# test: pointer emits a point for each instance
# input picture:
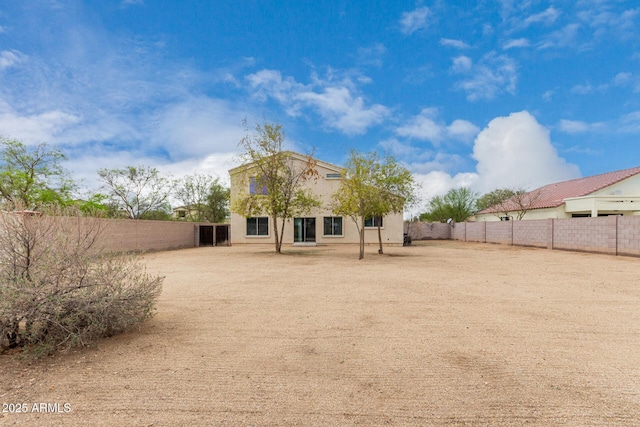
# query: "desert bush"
(60, 288)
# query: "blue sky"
(484, 94)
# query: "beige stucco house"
(319, 227)
(613, 193)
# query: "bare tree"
(524, 201)
(503, 201)
(59, 289)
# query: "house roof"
(553, 195)
(294, 155)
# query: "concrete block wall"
(531, 233)
(459, 231)
(428, 230)
(586, 234)
(136, 235)
(615, 235)
(500, 232)
(476, 232)
(628, 235)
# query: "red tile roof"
(553, 195)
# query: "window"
(333, 176)
(332, 226)
(373, 221)
(258, 226)
(254, 187)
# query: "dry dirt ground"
(440, 333)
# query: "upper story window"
(254, 187)
(334, 176)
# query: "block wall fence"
(145, 235)
(126, 235)
(614, 235)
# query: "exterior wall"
(545, 213)
(392, 231)
(136, 235)
(531, 233)
(615, 235)
(628, 235)
(499, 232)
(459, 231)
(476, 232)
(626, 187)
(586, 234)
(428, 230)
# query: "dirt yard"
(441, 333)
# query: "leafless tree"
(59, 288)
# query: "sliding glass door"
(304, 230)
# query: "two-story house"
(320, 226)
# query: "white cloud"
(403, 150)
(547, 17)
(427, 126)
(630, 123)
(458, 44)
(415, 20)
(516, 43)
(337, 102)
(197, 127)
(511, 151)
(462, 64)
(492, 75)
(577, 126)
(10, 58)
(438, 183)
(423, 126)
(517, 151)
(34, 128)
(565, 37)
(462, 130)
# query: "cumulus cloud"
(510, 151)
(427, 126)
(517, 150)
(437, 182)
(414, 20)
(337, 102)
(492, 75)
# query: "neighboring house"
(320, 226)
(180, 213)
(613, 193)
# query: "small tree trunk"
(380, 239)
(275, 234)
(361, 238)
(281, 235)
